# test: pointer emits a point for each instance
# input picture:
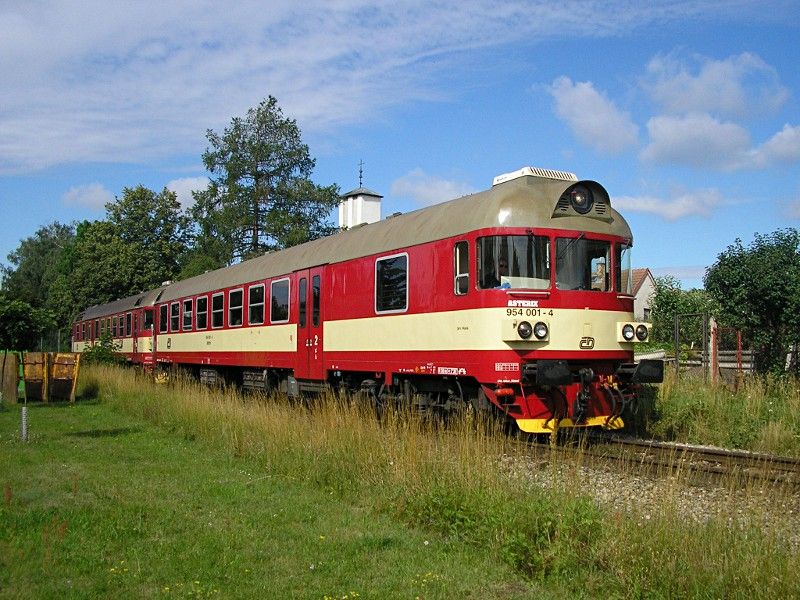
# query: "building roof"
(639, 275)
(362, 191)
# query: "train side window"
(461, 268)
(187, 314)
(128, 324)
(279, 303)
(83, 331)
(391, 284)
(217, 310)
(148, 320)
(235, 299)
(302, 294)
(97, 328)
(114, 330)
(162, 318)
(202, 312)
(175, 316)
(255, 302)
(315, 291)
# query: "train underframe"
(550, 395)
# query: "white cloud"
(141, 80)
(681, 272)
(696, 140)
(783, 147)
(593, 118)
(93, 196)
(700, 140)
(699, 203)
(184, 187)
(738, 86)
(428, 189)
(793, 210)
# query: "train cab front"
(566, 378)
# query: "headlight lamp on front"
(524, 330)
(540, 330)
(581, 200)
(641, 332)
(628, 332)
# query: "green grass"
(105, 505)
(763, 414)
(185, 484)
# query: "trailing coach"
(516, 298)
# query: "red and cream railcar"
(517, 297)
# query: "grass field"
(762, 415)
(100, 504)
(180, 491)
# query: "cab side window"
(461, 268)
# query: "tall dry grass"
(763, 414)
(454, 481)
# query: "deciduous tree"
(21, 325)
(758, 290)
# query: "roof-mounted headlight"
(581, 200)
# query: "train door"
(135, 338)
(309, 324)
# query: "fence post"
(713, 363)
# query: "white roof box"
(535, 172)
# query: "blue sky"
(687, 112)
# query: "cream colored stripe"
(475, 329)
(269, 338)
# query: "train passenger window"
(202, 312)
(83, 331)
(461, 268)
(391, 284)
(235, 299)
(622, 269)
(148, 320)
(162, 318)
(97, 328)
(315, 290)
(583, 264)
(175, 316)
(217, 310)
(255, 301)
(302, 294)
(514, 261)
(114, 330)
(279, 304)
(187, 314)
(128, 324)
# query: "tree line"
(260, 197)
(754, 289)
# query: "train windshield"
(624, 272)
(514, 261)
(583, 264)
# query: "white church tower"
(359, 206)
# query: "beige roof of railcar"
(522, 201)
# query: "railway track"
(699, 464)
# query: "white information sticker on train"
(505, 367)
(524, 303)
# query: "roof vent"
(535, 172)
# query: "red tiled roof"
(639, 275)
